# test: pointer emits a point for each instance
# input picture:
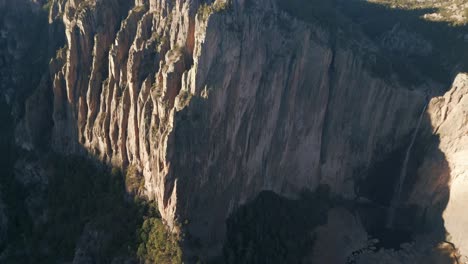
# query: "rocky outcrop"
(214, 105)
(116, 86)
(439, 190)
(214, 102)
(448, 116)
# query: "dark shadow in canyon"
(413, 60)
(274, 229)
(54, 204)
(58, 207)
(418, 49)
(269, 229)
(446, 57)
(415, 215)
(248, 239)
(64, 208)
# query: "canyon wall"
(442, 177)
(212, 103)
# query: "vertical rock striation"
(213, 103)
(116, 83)
(212, 108)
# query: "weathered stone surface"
(213, 108)
(449, 118)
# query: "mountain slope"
(210, 103)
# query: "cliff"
(212, 103)
(448, 116)
(213, 108)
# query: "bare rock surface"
(213, 108)
(449, 118)
(212, 103)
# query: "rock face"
(22, 60)
(448, 116)
(115, 85)
(212, 103)
(439, 189)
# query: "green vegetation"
(61, 53)
(83, 6)
(176, 51)
(184, 97)
(273, 229)
(157, 87)
(80, 194)
(219, 6)
(134, 182)
(12, 192)
(84, 200)
(156, 244)
(160, 40)
(206, 10)
(140, 8)
(22, 71)
(46, 7)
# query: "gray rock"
(211, 109)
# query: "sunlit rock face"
(116, 82)
(449, 118)
(432, 206)
(212, 106)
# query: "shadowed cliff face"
(23, 56)
(211, 103)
